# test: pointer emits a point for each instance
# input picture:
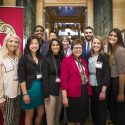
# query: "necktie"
(88, 48)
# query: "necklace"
(11, 57)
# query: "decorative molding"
(6, 28)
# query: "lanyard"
(39, 68)
(55, 64)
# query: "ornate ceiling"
(66, 14)
(66, 17)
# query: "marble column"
(29, 17)
(102, 17)
(39, 12)
(9, 2)
(90, 13)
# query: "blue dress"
(36, 95)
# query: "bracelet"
(25, 94)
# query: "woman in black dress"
(51, 82)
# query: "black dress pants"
(98, 108)
(117, 109)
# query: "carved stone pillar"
(102, 17)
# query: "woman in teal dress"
(30, 77)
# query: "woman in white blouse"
(9, 87)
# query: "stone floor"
(89, 122)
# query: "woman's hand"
(102, 95)
(2, 106)
(120, 97)
(26, 99)
(65, 102)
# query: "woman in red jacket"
(74, 85)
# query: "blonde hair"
(4, 50)
(101, 51)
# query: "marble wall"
(29, 15)
(102, 17)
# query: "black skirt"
(78, 109)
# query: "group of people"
(58, 74)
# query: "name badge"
(57, 80)
(39, 76)
(99, 65)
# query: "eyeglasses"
(77, 48)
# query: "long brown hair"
(112, 50)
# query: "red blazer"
(70, 77)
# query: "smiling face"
(12, 44)
(113, 39)
(96, 45)
(77, 50)
(65, 43)
(39, 32)
(52, 35)
(34, 46)
(88, 34)
(55, 47)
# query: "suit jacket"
(103, 74)
(70, 77)
(49, 77)
(85, 54)
(44, 48)
(27, 70)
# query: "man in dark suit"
(88, 33)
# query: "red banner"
(11, 21)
